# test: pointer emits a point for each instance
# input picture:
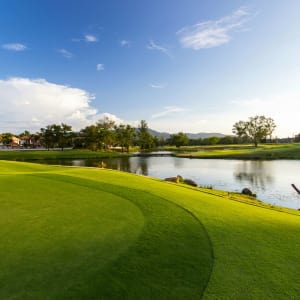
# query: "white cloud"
(111, 117)
(125, 43)
(34, 103)
(100, 67)
(89, 38)
(168, 110)
(14, 47)
(156, 47)
(65, 53)
(157, 86)
(215, 33)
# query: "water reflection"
(144, 166)
(257, 173)
(178, 163)
(270, 180)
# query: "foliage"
(125, 136)
(145, 139)
(214, 140)
(256, 128)
(57, 135)
(179, 139)
(99, 136)
(6, 138)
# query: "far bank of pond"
(270, 179)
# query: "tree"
(59, 135)
(226, 140)
(256, 128)
(179, 139)
(64, 135)
(297, 138)
(125, 135)
(48, 136)
(90, 137)
(6, 138)
(212, 140)
(145, 139)
(99, 136)
(106, 132)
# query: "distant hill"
(201, 135)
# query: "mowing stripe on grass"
(172, 257)
(55, 236)
(59, 229)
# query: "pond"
(270, 180)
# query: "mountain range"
(195, 136)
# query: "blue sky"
(192, 66)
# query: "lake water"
(270, 180)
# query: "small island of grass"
(262, 152)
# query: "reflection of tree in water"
(121, 164)
(144, 166)
(257, 173)
(178, 162)
(137, 165)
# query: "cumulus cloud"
(111, 117)
(89, 38)
(168, 110)
(213, 33)
(34, 103)
(14, 47)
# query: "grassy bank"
(81, 233)
(271, 151)
(23, 155)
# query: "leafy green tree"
(256, 128)
(64, 135)
(125, 135)
(145, 139)
(179, 139)
(57, 135)
(48, 136)
(6, 138)
(99, 136)
(106, 132)
(212, 140)
(91, 138)
(226, 140)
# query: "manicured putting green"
(64, 237)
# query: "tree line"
(103, 135)
(106, 134)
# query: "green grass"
(30, 155)
(269, 151)
(83, 233)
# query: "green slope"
(70, 238)
(80, 233)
